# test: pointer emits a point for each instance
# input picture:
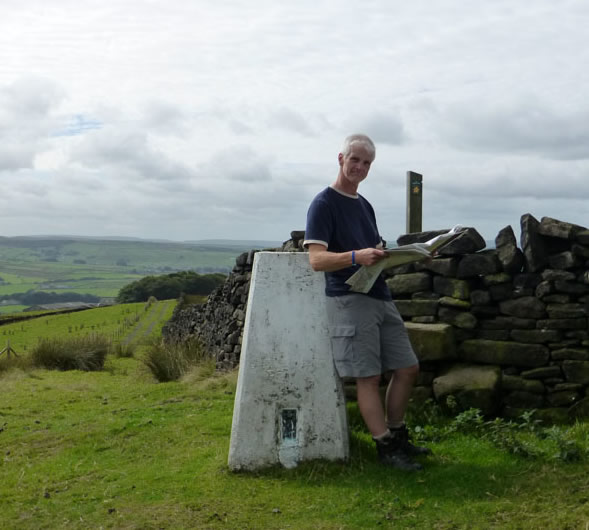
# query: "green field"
(12, 308)
(117, 449)
(100, 267)
(138, 257)
(122, 322)
(113, 449)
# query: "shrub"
(169, 361)
(78, 353)
(13, 362)
(122, 349)
(525, 437)
(150, 301)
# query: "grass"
(171, 361)
(20, 276)
(86, 353)
(9, 309)
(118, 322)
(114, 449)
(101, 267)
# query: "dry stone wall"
(504, 329)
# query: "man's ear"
(340, 159)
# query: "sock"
(395, 426)
(382, 436)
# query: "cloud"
(163, 117)
(289, 120)
(385, 127)
(524, 126)
(27, 119)
(129, 151)
(225, 119)
(239, 163)
(518, 177)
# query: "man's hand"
(323, 260)
(369, 256)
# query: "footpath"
(145, 326)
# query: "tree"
(169, 286)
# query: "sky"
(194, 119)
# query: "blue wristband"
(353, 257)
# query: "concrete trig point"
(289, 404)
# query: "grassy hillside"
(101, 267)
(123, 322)
(143, 256)
(114, 449)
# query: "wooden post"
(8, 350)
(414, 196)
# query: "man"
(368, 336)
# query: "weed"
(122, 349)
(525, 437)
(77, 353)
(150, 301)
(169, 361)
(567, 448)
(13, 362)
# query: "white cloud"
(525, 125)
(383, 127)
(195, 119)
(128, 150)
(27, 108)
(239, 163)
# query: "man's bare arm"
(323, 260)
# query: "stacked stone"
(521, 313)
(503, 330)
(217, 324)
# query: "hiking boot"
(406, 445)
(390, 452)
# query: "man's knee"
(408, 373)
(368, 382)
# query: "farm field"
(120, 323)
(136, 257)
(99, 267)
(11, 309)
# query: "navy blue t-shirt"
(343, 222)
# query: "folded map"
(363, 279)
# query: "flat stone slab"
(432, 342)
(504, 353)
(472, 386)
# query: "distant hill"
(101, 267)
(245, 243)
(141, 256)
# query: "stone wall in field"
(504, 329)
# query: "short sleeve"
(319, 223)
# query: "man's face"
(356, 164)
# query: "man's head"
(357, 155)
(358, 139)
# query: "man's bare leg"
(370, 404)
(390, 448)
(398, 394)
(397, 398)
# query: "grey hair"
(357, 139)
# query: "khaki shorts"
(368, 336)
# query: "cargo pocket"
(342, 343)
